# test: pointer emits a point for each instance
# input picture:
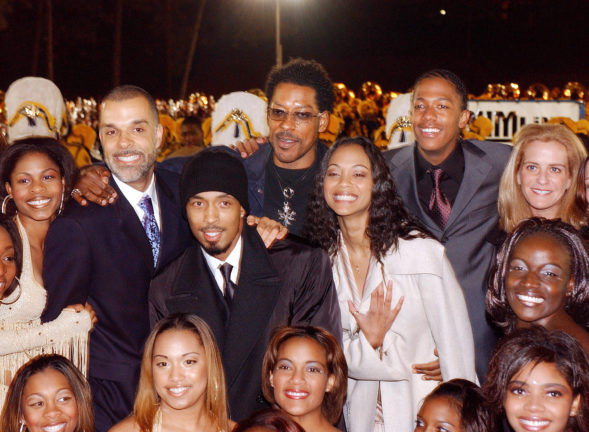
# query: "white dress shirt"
(134, 196)
(215, 264)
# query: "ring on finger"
(76, 191)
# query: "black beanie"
(214, 170)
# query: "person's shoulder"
(399, 154)
(296, 248)
(491, 149)
(127, 425)
(170, 270)
(416, 255)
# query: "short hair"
(191, 121)
(468, 401)
(532, 346)
(127, 91)
(388, 220)
(449, 76)
(307, 73)
(8, 224)
(50, 147)
(333, 401)
(270, 419)
(577, 303)
(147, 400)
(512, 205)
(13, 413)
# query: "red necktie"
(439, 205)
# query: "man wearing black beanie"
(241, 289)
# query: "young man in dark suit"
(108, 255)
(451, 186)
(242, 290)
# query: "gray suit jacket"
(473, 217)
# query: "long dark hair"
(577, 302)
(388, 220)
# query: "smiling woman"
(48, 394)
(36, 177)
(540, 177)
(541, 279)
(182, 380)
(539, 381)
(304, 373)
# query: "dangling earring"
(61, 203)
(22, 426)
(4, 202)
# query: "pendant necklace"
(287, 215)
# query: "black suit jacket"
(291, 283)
(102, 255)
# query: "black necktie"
(229, 286)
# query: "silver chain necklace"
(287, 215)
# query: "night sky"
(386, 41)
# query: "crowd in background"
(298, 278)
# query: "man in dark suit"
(241, 289)
(451, 186)
(108, 255)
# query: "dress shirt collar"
(234, 259)
(453, 165)
(134, 196)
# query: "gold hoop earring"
(4, 202)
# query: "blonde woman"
(182, 384)
(540, 177)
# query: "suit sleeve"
(67, 265)
(448, 319)
(316, 299)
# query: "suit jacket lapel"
(172, 224)
(129, 223)
(407, 188)
(475, 173)
(195, 291)
(253, 304)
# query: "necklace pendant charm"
(286, 215)
(288, 193)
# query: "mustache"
(281, 135)
(212, 228)
(128, 153)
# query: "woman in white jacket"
(380, 258)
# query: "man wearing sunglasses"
(281, 174)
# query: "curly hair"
(532, 346)
(13, 411)
(449, 76)
(467, 400)
(333, 401)
(388, 220)
(307, 73)
(50, 147)
(498, 308)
